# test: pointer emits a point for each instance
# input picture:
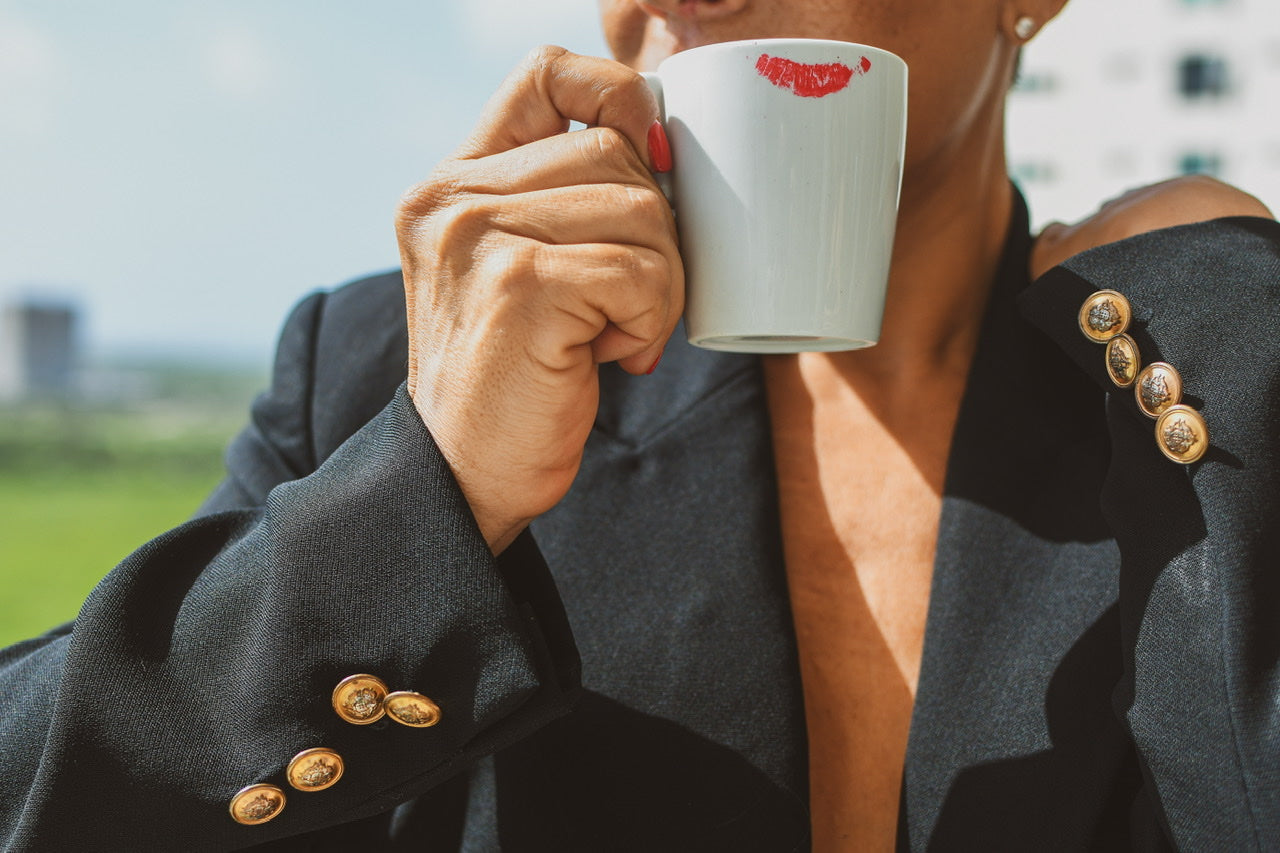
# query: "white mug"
(787, 170)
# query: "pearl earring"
(1025, 27)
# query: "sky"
(186, 171)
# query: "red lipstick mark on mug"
(809, 81)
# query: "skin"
(531, 256)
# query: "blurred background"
(175, 174)
(1120, 93)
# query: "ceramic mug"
(787, 170)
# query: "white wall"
(1099, 109)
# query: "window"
(1035, 172)
(1200, 163)
(1036, 81)
(1201, 76)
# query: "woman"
(743, 554)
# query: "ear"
(1021, 20)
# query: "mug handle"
(662, 179)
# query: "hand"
(1180, 201)
(531, 256)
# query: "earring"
(1025, 27)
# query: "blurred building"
(1119, 93)
(38, 349)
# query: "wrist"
(499, 534)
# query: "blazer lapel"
(1013, 740)
(668, 555)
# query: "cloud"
(239, 63)
(29, 69)
(25, 52)
(516, 26)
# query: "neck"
(953, 220)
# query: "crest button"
(314, 769)
(1104, 315)
(358, 699)
(1182, 434)
(1157, 388)
(412, 709)
(1122, 360)
(257, 804)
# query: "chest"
(859, 529)
(860, 496)
(859, 503)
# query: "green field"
(82, 486)
(61, 534)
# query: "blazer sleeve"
(206, 661)
(1199, 544)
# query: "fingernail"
(654, 366)
(659, 148)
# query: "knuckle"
(415, 202)
(648, 275)
(461, 222)
(653, 204)
(621, 95)
(543, 57)
(634, 88)
(529, 261)
(628, 264)
(427, 198)
(645, 204)
(650, 324)
(515, 267)
(608, 144)
(648, 267)
(497, 279)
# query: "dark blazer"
(1100, 665)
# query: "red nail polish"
(659, 148)
(654, 366)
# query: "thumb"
(551, 88)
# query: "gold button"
(358, 699)
(1158, 387)
(1122, 360)
(257, 804)
(314, 769)
(1182, 434)
(1104, 315)
(412, 709)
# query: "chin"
(659, 43)
(626, 29)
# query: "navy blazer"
(1099, 666)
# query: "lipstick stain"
(809, 81)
